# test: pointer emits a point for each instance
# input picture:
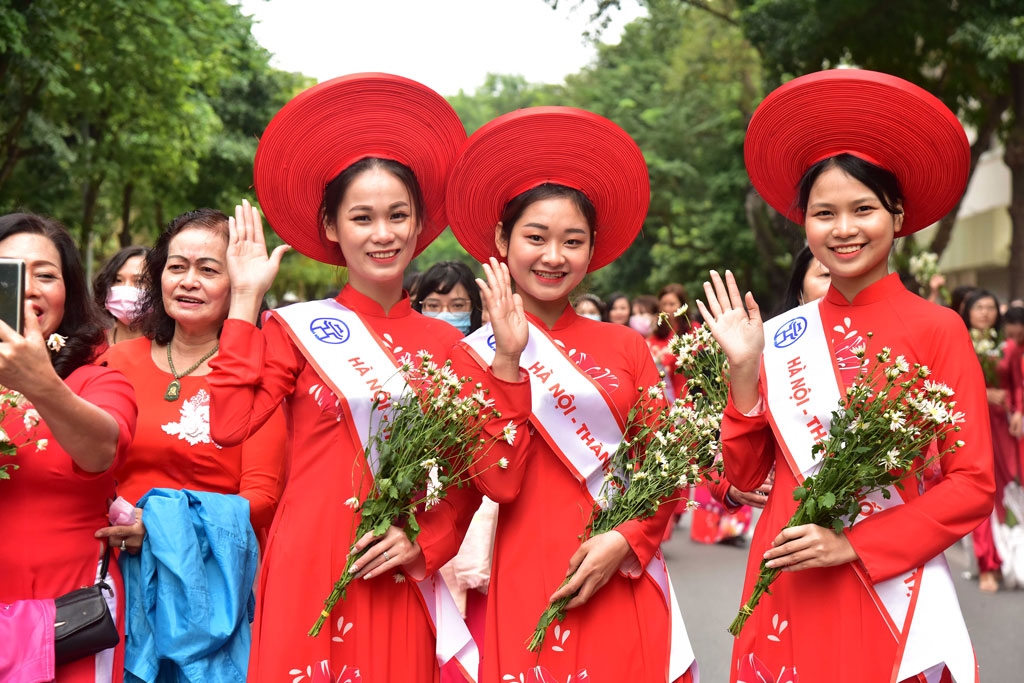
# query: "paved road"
(996, 622)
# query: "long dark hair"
(82, 324)
(795, 288)
(440, 278)
(155, 322)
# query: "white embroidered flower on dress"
(194, 425)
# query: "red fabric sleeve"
(263, 469)
(253, 372)
(443, 526)
(512, 402)
(748, 448)
(110, 391)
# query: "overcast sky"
(445, 44)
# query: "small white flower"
(891, 461)
(399, 577)
(509, 433)
(503, 463)
(433, 488)
(56, 342)
(31, 418)
(42, 444)
(353, 503)
(681, 310)
(3, 436)
(901, 364)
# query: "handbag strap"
(106, 563)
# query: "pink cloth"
(27, 625)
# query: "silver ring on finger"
(386, 556)
(123, 546)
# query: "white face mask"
(592, 316)
(122, 302)
(461, 321)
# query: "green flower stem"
(337, 593)
(765, 577)
(555, 611)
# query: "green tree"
(684, 85)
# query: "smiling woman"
(187, 294)
(543, 196)
(382, 146)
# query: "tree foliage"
(117, 116)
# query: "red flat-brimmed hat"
(561, 145)
(879, 118)
(329, 127)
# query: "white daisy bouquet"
(424, 447)
(923, 267)
(885, 420)
(666, 448)
(9, 444)
(989, 349)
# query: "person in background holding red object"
(551, 216)
(863, 178)
(352, 173)
(84, 418)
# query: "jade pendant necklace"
(174, 388)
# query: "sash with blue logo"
(580, 423)
(920, 606)
(345, 352)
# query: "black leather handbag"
(84, 625)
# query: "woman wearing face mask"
(448, 292)
(116, 289)
(590, 306)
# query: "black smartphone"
(12, 292)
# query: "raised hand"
(735, 322)
(508, 320)
(251, 270)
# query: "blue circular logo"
(790, 332)
(330, 330)
(491, 343)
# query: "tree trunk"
(125, 239)
(1014, 158)
(89, 196)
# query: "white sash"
(576, 418)
(920, 606)
(345, 352)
